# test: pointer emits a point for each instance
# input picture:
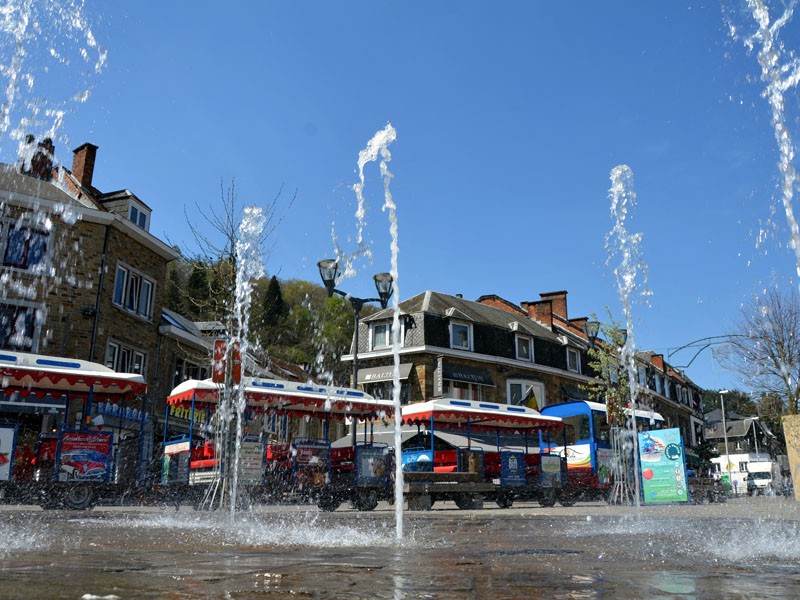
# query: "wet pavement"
(745, 548)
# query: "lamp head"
(591, 329)
(328, 271)
(383, 283)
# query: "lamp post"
(329, 271)
(755, 435)
(725, 435)
(621, 489)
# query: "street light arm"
(707, 342)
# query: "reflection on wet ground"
(747, 548)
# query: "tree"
(736, 401)
(174, 294)
(272, 312)
(610, 383)
(764, 347)
(212, 279)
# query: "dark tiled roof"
(444, 305)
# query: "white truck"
(759, 477)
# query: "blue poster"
(663, 466)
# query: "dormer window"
(524, 348)
(139, 215)
(460, 335)
(573, 360)
(380, 335)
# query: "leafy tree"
(610, 385)
(764, 347)
(174, 295)
(273, 310)
(735, 402)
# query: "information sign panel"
(663, 466)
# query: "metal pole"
(725, 436)
(755, 437)
(356, 319)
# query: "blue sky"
(509, 119)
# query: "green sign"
(663, 466)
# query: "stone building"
(490, 350)
(82, 277)
(494, 350)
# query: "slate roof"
(445, 305)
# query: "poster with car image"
(663, 466)
(84, 456)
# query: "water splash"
(41, 39)
(249, 267)
(780, 73)
(378, 147)
(631, 276)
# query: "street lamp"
(329, 271)
(592, 330)
(725, 435)
(755, 435)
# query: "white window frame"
(124, 358)
(134, 292)
(525, 386)
(468, 327)
(641, 375)
(138, 215)
(373, 330)
(577, 355)
(523, 339)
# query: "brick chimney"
(657, 360)
(83, 163)
(498, 302)
(579, 323)
(541, 311)
(559, 302)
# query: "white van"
(759, 478)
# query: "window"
(18, 327)
(524, 349)
(380, 335)
(460, 336)
(659, 387)
(139, 216)
(462, 390)
(133, 291)
(25, 248)
(526, 393)
(384, 390)
(185, 369)
(642, 375)
(125, 359)
(573, 360)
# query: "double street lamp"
(329, 271)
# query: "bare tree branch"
(765, 346)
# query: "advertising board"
(663, 466)
(84, 456)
